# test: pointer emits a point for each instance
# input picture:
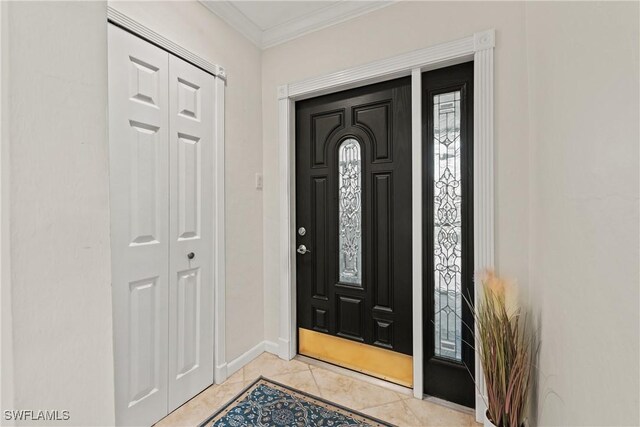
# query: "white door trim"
(122, 20)
(219, 274)
(218, 254)
(478, 47)
(416, 227)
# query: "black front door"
(448, 233)
(353, 217)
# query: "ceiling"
(268, 14)
(268, 23)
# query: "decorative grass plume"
(505, 347)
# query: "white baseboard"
(220, 373)
(283, 349)
(228, 369)
(271, 347)
(239, 362)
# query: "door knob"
(191, 255)
(302, 249)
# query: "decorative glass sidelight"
(447, 226)
(350, 211)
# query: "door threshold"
(367, 359)
(354, 374)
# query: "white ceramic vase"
(487, 421)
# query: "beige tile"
(395, 413)
(431, 414)
(238, 376)
(245, 384)
(302, 381)
(215, 397)
(269, 365)
(190, 414)
(378, 402)
(202, 406)
(350, 392)
(183, 416)
(404, 396)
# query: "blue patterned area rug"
(268, 403)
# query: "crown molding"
(232, 16)
(330, 15)
(326, 17)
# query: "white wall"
(195, 28)
(567, 146)
(59, 209)
(566, 139)
(396, 29)
(584, 112)
(60, 264)
(6, 318)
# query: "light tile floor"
(380, 402)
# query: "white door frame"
(478, 48)
(218, 254)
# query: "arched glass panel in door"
(350, 211)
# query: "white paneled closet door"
(161, 185)
(139, 189)
(191, 103)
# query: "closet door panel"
(191, 106)
(138, 145)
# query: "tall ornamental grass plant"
(505, 347)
